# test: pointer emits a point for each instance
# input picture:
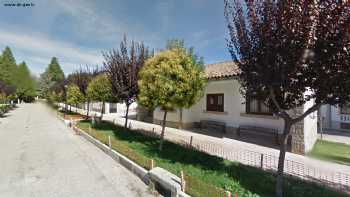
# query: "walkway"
(41, 157)
(336, 136)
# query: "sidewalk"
(336, 136)
(332, 174)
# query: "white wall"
(310, 127)
(234, 106)
(121, 108)
(333, 116)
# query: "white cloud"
(44, 47)
(37, 50)
(92, 21)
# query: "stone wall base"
(185, 125)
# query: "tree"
(58, 93)
(52, 75)
(25, 83)
(74, 96)
(122, 67)
(172, 79)
(100, 89)
(8, 67)
(6, 91)
(285, 48)
(82, 78)
(55, 71)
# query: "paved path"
(41, 157)
(336, 136)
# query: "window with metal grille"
(255, 106)
(215, 102)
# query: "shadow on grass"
(334, 158)
(211, 169)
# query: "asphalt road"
(41, 157)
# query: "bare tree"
(122, 67)
(285, 48)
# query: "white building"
(224, 109)
(335, 117)
(112, 108)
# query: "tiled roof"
(221, 70)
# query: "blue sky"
(76, 31)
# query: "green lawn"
(247, 181)
(331, 151)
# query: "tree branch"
(308, 112)
(281, 112)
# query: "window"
(345, 109)
(255, 106)
(215, 102)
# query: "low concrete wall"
(139, 171)
(127, 163)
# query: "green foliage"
(100, 89)
(17, 81)
(26, 87)
(54, 70)
(51, 77)
(8, 67)
(172, 79)
(54, 97)
(3, 98)
(74, 96)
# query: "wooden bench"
(213, 125)
(259, 130)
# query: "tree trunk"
(163, 131)
(88, 109)
(282, 156)
(70, 108)
(181, 123)
(126, 115)
(65, 110)
(103, 109)
(76, 108)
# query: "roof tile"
(221, 70)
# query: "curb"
(139, 171)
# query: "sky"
(78, 31)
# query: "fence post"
(71, 122)
(109, 142)
(191, 141)
(228, 194)
(152, 164)
(261, 161)
(183, 183)
(129, 125)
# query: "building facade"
(223, 106)
(335, 117)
